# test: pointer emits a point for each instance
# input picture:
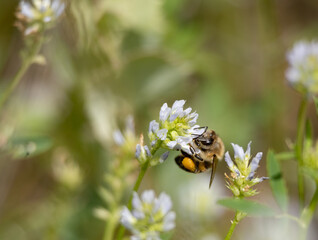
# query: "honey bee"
(206, 149)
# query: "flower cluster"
(176, 127)
(242, 176)
(149, 217)
(174, 131)
(303, 71)
(126, 140)
(38, 15)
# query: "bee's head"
(206, 139)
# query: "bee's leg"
(198, 157)
(192, 150)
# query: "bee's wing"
(214, 164)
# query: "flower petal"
(254, 165)
(26, 9)
(118, 137)
(248, 150)
(178, 104)
(153, 126)
(238, 152)
(127, 219)
(228, 160)
(164, 156)
(171, 144)
(164, 112)
(138, 151)
(165, 203)
(162, 134)
(147, 150)
(148, 196)
(169, 221)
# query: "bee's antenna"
(198, 135)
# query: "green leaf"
(107, 196)
(22, 147)
(285, 156)
(249, 207)
(277, 182)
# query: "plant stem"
(141, 175)
(231, 230)
(24, 67)
(299, 149)
(308, 213)
(110, 227)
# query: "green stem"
(307, 214)
(231, 230)
(110, 227)
(141, 175)
(299, 149)
(25, 65)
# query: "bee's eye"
(207, 141)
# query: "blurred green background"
(106, 60)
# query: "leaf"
(107, 196)
(101, 213)
(285, 156)
(277, 182)
(22, 147)
(249, 207)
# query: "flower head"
(149, 217)
(176, 127)
(302, 73)
(38, 15)
(242, 176)
(127, 138)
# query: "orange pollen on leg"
(188, 164)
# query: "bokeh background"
(106, 60)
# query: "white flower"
(128, 135)
(176, 127)
(39, 14)
(142, 153)
(243, 171)
(150, 216)
(302, 73)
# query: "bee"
(206, 149)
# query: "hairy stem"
(233, 225)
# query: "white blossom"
(242, 176)
(149, 216)
(302, 73)
(39, 14)
(176, 127)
